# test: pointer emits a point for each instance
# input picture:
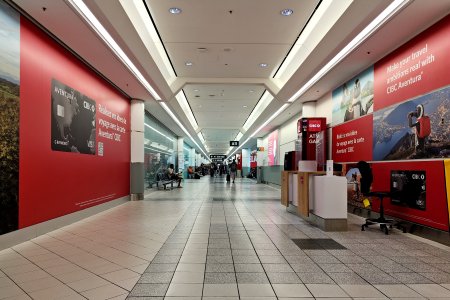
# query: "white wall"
(324, 107)
(288, 135)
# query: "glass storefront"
(160, 149)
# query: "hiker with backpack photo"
(422, 127)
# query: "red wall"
(436, 214)
(54, 183)
(418, 67)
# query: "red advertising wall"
(56, 183)
(436, 214)
(352, 141)
(413, 76)
(417, 67)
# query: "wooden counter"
(303, 189)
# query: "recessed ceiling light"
(175, 10)
(263, 65)
(287, 12)
(244, 106)
(196, 90)
(251, 91)
(188, 63)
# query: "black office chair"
(366, 183)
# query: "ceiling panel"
(250, 21)
(226, 60)
(219, 134)
(230, 91)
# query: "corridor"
(213, 240)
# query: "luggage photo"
(228, 177)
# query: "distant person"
(233, 170)
(173, 175)
(422, 127)
(190, 172)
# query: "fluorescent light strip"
(181, 98)
(382, 18)
(171, 114)
(169, 138)
(158, 150)
(259, 108)
(95, 24)
(238, 136)
(279, 111)
(200, 136)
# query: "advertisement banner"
(416, 68)
(73, 120)
(9, 117)
(352, 141)
(62, 100)
(447, 182)
(414, 129)
(418, 191)
(354, 98)
(272, 152)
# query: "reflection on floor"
(213, 240)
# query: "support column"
(137, 150)
(309, 109)
(180, 154)
(192, 157)
(260, 157)
(245, 162)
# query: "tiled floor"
(213, 240)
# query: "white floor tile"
(430, 290)
(104, 292)
(397, 290)
(255, 290)
(326, 290)
(182, 290)
(362, 290)
(291, 290)
(220, 290)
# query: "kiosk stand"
(321, 200)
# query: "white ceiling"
(226, 40)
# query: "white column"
(137, 150)
(309, 109)
(192, 157)
(260, 154)
(180, 154)
(245, 162)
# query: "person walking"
(233, 170)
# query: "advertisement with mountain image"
(415, 129)
(9, 117)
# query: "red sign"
(352, 141)
(314, 125)
(435, 214)
(56, 183)
(416, 68)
